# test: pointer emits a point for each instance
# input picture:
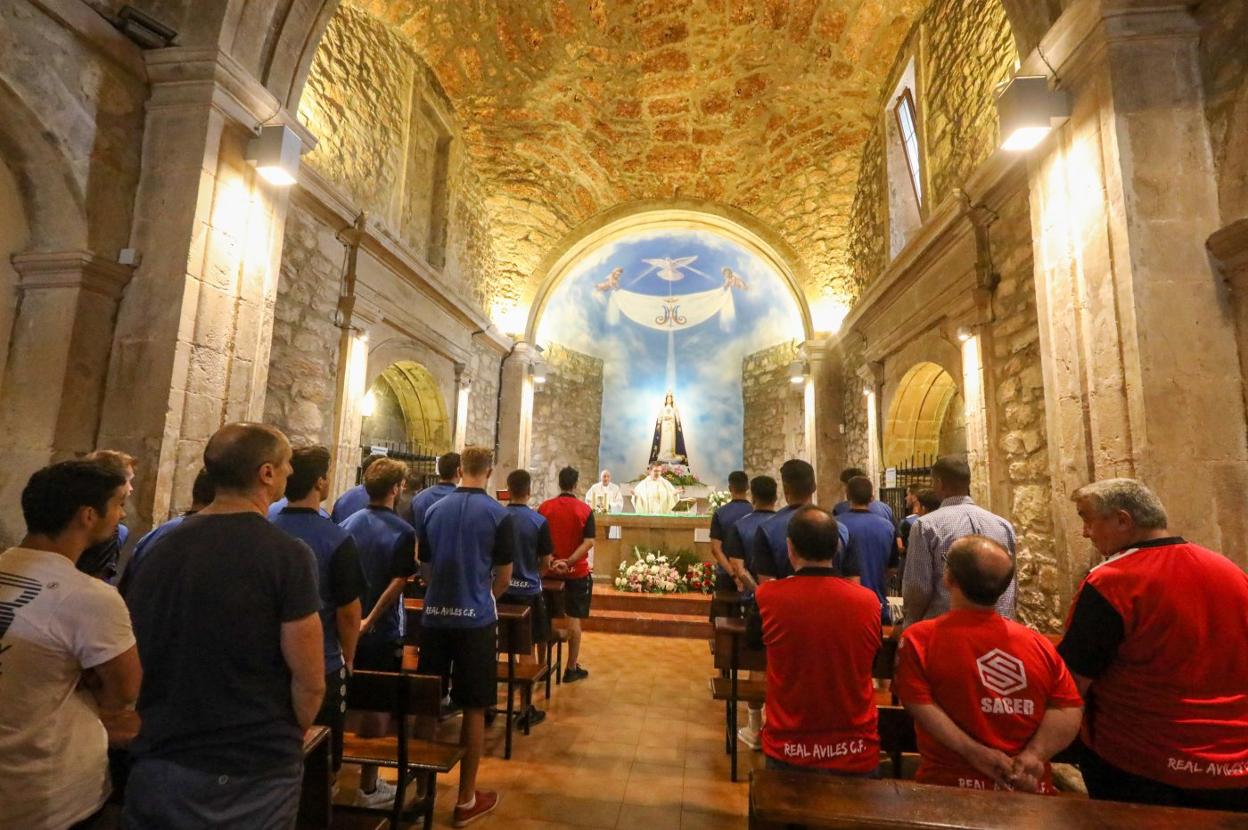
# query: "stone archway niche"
(409, 408)
(925, 418)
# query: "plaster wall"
(14, 237)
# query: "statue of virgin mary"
(668, 446)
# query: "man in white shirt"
(68, 662)
(654, 494)
(603, 496)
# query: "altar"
(667, 533)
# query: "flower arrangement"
(649, 573)
(718, 498)
(701, 578)
(678, 475)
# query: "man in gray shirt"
(923, 591)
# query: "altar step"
(653, 615)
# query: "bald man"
(991, 699)
(603, 496)
(226, 614)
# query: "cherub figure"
(612, 282)
(731, 280)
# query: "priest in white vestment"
(605, 497)
(654, 494)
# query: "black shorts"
(378, 654)
(333, 711)
(576, 595)
(469, 656)
(538, 614)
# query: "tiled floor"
(638, 744)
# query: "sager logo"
(1002, 673)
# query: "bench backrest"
(818, 802)
(896, 730)
(515, 636)
(397, 694)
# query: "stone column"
(515, 412)
(872, 377)
(352, 386)
(823, 400)
(1135, 333)
(976, 419)
(463, 387)
(51, 394)
(191, 350)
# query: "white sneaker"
(749, 737)
(380, 797)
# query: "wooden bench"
(794, 799)
(401, 695)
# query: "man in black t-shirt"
(225, 611)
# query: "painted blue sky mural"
(708, 357)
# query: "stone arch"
(922, 420)
(51, 198)
(409, 408)
(725, 220)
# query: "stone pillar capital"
(1229, 246)
(871, 374)
(81, 270)
(197, 77)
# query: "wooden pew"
(401, 695)
(794, 799)
(557, 610)
(733, 656)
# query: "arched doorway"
(925, 419)
(407, 411)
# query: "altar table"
(667, 533)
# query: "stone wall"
(774, 413)
(969, 49)
(567, 420)
(387, 140)
(304, 354)
(1224, 67)
(1020, 438)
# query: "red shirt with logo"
(571, 523)
(993, 677)
(821, 632)
(1162, 630)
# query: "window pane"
(910, 139)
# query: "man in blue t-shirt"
(467, 546)
(739, 539)
(202, 493)
(770, 551)
(532, 559)
(737, 544)
(879, 508)
(724, 518)
(339, 579)
(448, 480)
(355, 499)
(387, 548)
(875, 540)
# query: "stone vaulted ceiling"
(570, 107)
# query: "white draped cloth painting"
(672, 312)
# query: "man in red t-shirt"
(1158, 643)
(821, 632)
(572, 534)
(991, 699)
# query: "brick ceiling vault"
(570, 107)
